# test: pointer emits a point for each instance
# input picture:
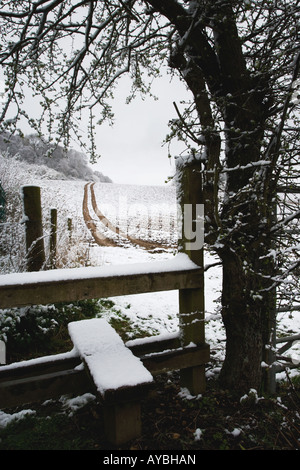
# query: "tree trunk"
(243, 324)
(248, 316)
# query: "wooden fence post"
(70, 225)
(53, 237)
(34, 228)
(191, 301)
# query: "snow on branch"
(285, 221)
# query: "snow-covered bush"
(42, 328)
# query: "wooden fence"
(53, 376)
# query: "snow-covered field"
(146, 212)
(143, 212)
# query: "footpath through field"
(102, 239)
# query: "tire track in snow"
(99, 238)
(148, 245)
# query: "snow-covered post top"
(190, 206)
(191, 236)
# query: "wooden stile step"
(119, 377)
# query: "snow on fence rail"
(63, 285)
(56, 375)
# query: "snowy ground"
(148, 212)
(145, 212)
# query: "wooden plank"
(44, 365)
(111, 365)
(154, 344)
(35, 250)
(20, 290)
(191, 301)
(57, 375)
(289, 341)
(122, 422)
(70, 360)
(21, 391)
(120, 378)
(178, 359)
(285, 339)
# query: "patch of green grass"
(59, 432)
(120, 321)
(43, 330)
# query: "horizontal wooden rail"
(53, 376)
(65, 285)
(293, 308)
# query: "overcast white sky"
(131, 150)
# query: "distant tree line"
(72, 164)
